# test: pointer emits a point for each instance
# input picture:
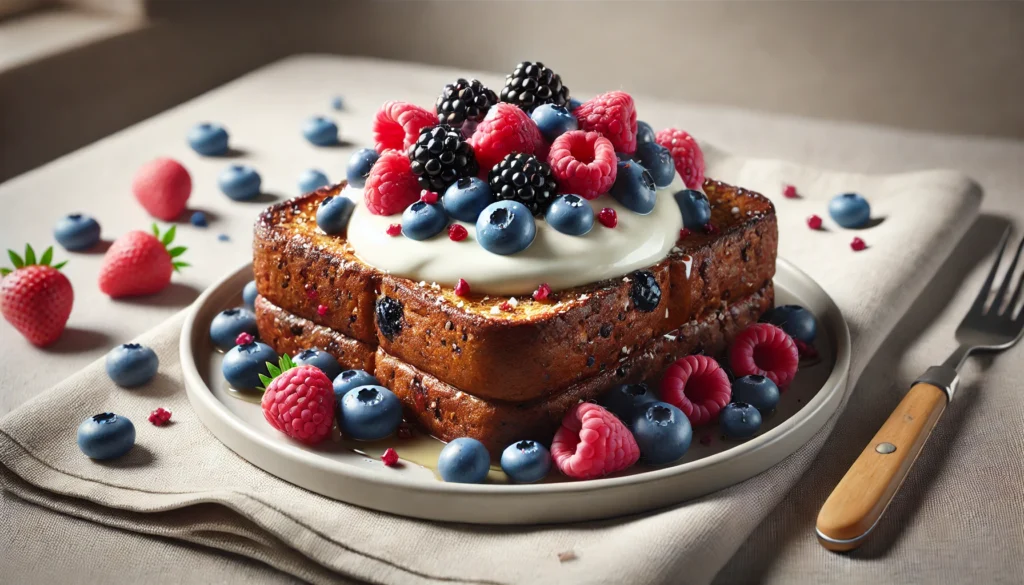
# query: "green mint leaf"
(18, 262)
(169, 236)
(175, 252)
(47, 257)
(266, 381)
(30, 255)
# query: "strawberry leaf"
(266, 380)
(47, 257)
(175, 252)
(169, 236)
(15, 259)
(5, 271)
(60, 265)
(285, 363)
(156, 230)
(179, 265)
(30, 255)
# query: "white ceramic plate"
(337, 471)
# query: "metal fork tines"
(992, 324)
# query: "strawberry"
(139, 264)
(35, 297)
(162, 187)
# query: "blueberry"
(422, 221)
(645, 291)
(695, 207)
(757, 391)
(739, 420)
(570, 214)
(796, 321)
(663, 433)
(658, 161)
(369, 413)
(553, 121)
(634, 187)
(226, 326)
(350, 379)
(850, 210)
(199, 219)
(223, 238)
(464, 460)
(318, 358)
(243, 364)
(320, 131)
(338, 103)
(106, 436)
(525, 461)
(359, 165)
(466, 198)
(311, 180)
(574, 103)
(208, 139)
(333, 214)
(239, 182)
(249, 295)
(389, 312)
(644, 133)
(505, 227)
(77, 232)
(624, 400)
(131, 365)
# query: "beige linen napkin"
(180, 482)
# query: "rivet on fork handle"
(858, 502)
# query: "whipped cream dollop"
(559, 260)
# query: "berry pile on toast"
(454, 263)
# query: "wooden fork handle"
(861, 497)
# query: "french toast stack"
(496, 369)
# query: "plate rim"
(207, 405)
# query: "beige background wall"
(955, 67)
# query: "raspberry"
(806, 350)
(584, 163)
(321, 310)
(687, 155)
(394, 229)
(428, 197)
(765, 350)
(461, 288)
(789, 192)
(244, 338)
(397, 125)
(159, 417)
(391, 186)
(592, 442)
(608, 217)
(300, 403)
(506, 129)
(457, 233)
(814, 222)
(698, 386)
(390, 457)
(542, 293)
(858, 244)
(613, 115)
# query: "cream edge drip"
(559, 260)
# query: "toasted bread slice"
(470, 343)
(289, 334)
(447, 412)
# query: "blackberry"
(523, 178)
(464, 100)
(645, 292)
(533, 84)
(440, 157)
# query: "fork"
(861, 497)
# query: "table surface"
(96, 180)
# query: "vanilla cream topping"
(560, 260)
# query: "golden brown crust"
(288, 334)
(447, 413)
(470, 342)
